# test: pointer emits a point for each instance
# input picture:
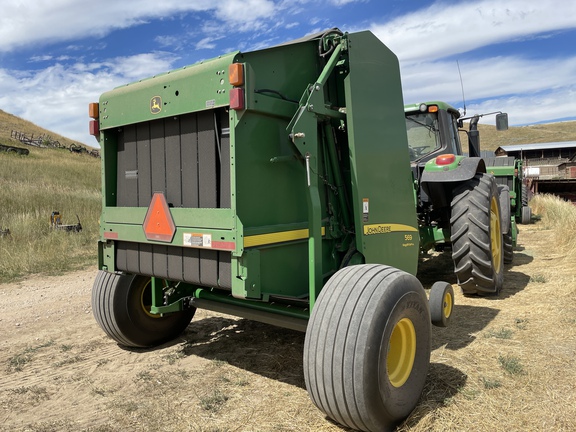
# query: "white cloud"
(445, 29)
(61, 20)
(57, 97)
(499, 76)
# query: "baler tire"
(508, 247)
(367, 347)
(526, 215)
(119, 306)
(477, 241)
(441, 303)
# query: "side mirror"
(502, 121)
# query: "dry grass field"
(506, 363)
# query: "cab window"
(423, 134)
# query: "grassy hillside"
(31, 188)
(9, 123)
(491, 139)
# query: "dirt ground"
(505, 363)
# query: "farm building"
(550, 167)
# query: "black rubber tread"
(508, 248)
(524, 191)
(526, 215)
(436, 301)
(121, 317)
(347, 342)
(505, 209)
(470, 236)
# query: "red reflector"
(158, 224)
(237, 99)
(446, 159)
(94, 128)
(110, 235)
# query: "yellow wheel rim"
(401, 352)
(146, 300)
(495, 235)
(448, 301)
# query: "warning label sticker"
(197, 240)
(365, 209)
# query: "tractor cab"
(432, 130)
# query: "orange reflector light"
(236, 74)
(158, 224)
(433, 108)
(446, 159)
(94, 128)
(237, 99)
(94, 110)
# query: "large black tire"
(476, 235)
(367, 347)
(121, 305)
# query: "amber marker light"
(446, 159)
(236, 74)
(94, 110)
(433, 108)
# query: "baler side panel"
(388, 232)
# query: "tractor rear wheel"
(476, 235)
(367, 347)
(121, 305)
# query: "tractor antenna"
(462, 86)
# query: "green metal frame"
(316, 184)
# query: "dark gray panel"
(127, 168)
(144, 166)
(173, 161)
(132, 258)
(121, 257)
(209, 268)
(160, 261)
(158, 152)
(189, 145)
(225, 193)
(175, 264)
(191, 258)
(225, 270)
(207, 169)
(146, 259)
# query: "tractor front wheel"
(367, 347)
(121, 305)
(441, 303)
(476, 235)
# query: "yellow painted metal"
(448, 302)
(277, 237)
(495, 234)
(402, 352)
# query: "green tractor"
(273, 185)
(460, 205)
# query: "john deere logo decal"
(155, 104)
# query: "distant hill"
(10, 122)
(491, 139)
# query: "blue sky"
(517, 56)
